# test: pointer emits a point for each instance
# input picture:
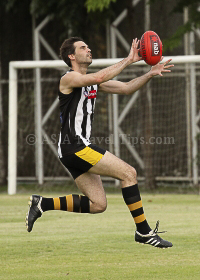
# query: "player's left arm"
(132, 86)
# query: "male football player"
(86, 162)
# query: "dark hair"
(68, 48)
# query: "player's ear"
(71, 56)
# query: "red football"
(151, 47)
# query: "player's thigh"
(91, 186)
(112, 166)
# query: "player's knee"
(101, 206)
(134, 173)
(131, 175)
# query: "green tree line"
(86, 19)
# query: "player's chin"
(89, 61)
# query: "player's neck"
(81, 68)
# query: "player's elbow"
(99, 81)
(100, 78)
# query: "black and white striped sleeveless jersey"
(76, 116)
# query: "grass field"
(82, 246)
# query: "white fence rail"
(97, 63)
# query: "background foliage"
(87, 19)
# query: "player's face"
(82, 53)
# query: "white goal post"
(14, 66)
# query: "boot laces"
(156, 228)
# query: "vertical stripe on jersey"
(69, 122)
(59, 148)
(84, 123)
(89, 114)
(92, 115)
(79, 117)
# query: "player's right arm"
(75, 79)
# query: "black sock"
(133, 200)
(72, 203)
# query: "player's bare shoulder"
(67, 82)
(69, 77)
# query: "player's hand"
(133, 55)
(160, 68)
